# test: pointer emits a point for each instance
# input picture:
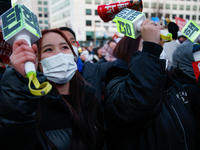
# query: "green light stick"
(128, 22)
(192, 31)
(20, 23)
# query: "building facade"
(82, 17)
(186, 9)
(40, 8)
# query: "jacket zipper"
(181, 126)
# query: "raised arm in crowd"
(146, 109)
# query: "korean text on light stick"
(20, 23)
(129, 21)
(107, 12)
(192, 31)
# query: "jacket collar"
(121, 64)
(115, 71)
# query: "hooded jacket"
(182, 58)
(182, 71)
(145, 109)
(18, 113)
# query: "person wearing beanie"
(181, 38)
(169, 47)
(182, 62)
(183, 71)
(182, 59)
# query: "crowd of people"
(133, 94)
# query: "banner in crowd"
(180, 22)
(115, 36)
(5, 50)
(196, 67)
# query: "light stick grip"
(29, 66)
(163, 34)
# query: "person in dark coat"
(146, 109)
(95, 74)
(101, 67)
(182, 59)
(182, 70)
(68, 117)
(97, 54)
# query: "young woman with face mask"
(68, 117)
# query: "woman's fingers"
(18, 43)
(23, 57)
(22, 48)
(24, 51)
(34, 47)
(21, 54)
(144, 22)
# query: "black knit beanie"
(173, 28)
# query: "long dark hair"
(126, 47)
(83, 126)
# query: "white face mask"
(196, 56)
(59, 68)
(75, 50)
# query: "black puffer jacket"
(95, 73)
(17, 115)
(193, 89)
(145, 110)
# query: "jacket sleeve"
(93, 71)
(17, 111)
(134, 102)
(193, 92)
(103, 68)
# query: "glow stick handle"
(29, 66)
(138, 25)
(162, 32)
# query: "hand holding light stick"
(20, 23)
(128, 22)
